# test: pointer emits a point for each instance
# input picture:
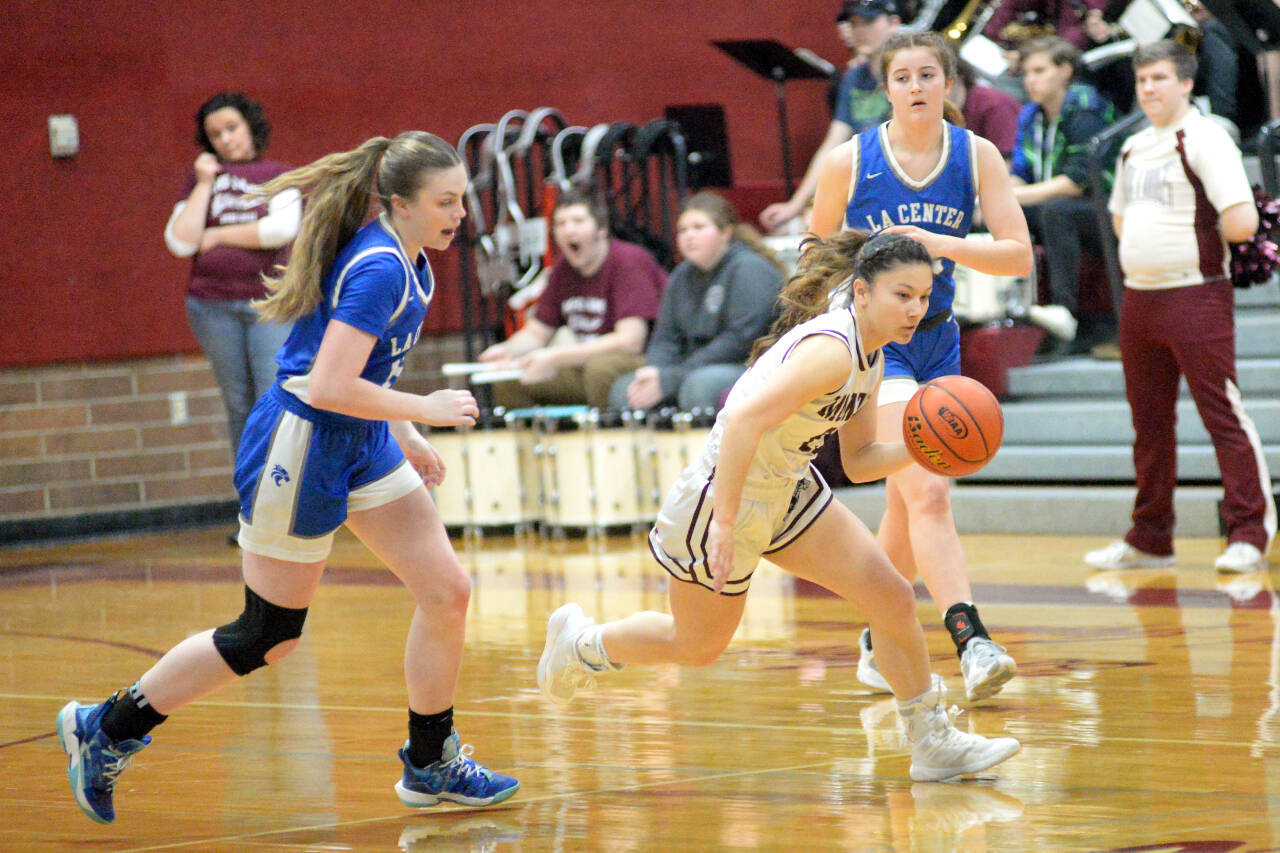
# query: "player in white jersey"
(753, 491)
(333, 442)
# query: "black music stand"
(775, 61)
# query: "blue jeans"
(702, 387)
(242, 352)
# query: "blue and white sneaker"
(455, 777)
(94, 761)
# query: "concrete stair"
(1066, 465)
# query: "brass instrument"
(959, 29)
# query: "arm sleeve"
(750, 293)
(1000, 18)
(178, 248)
(280, 225)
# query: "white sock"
(590, 646)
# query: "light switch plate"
(64, 136)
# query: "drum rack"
(519, 165)
(559, 470)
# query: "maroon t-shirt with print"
(628, 284)
(227, 272)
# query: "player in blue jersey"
(919, 175)
(333, 443)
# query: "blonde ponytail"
(338, 189)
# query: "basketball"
(953, 426)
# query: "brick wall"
(88, 439)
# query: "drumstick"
(507, 374)
(463, 368)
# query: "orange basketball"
(953, 426)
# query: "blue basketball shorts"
(299, 472)
(929, 354)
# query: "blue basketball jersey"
(375, 287)
(881, 194)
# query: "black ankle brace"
(427, 734)
(964, 624)
(130, 716)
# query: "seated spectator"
(717, 302)
(1016, 22)
(605, 291)
(1013, 20)
(1051, 176)
(1114, 78)
(1228, 73)
(860, 101)
(988, 112)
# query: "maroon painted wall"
(86, 273)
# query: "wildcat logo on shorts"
(279, 475)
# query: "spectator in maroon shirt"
(605, 292)
(988, 111)
(233, 238)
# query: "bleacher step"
(1107, 422)
(1083, 376)
(1092, 464)
(1102, 511)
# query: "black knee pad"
(262, 626)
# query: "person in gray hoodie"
(718, 300)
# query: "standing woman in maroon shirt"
(232, 240)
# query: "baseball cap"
(866, 9)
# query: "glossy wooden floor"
(1146, 704)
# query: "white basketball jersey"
(786, 450)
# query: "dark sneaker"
(94, 761)
(455, 777)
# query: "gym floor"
(1147, 705)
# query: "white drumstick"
(503, 375)
(464, 368)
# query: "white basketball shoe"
(986, 666)
(561, 669)
(868, 672)
(940, 751)
(1122, 555)
(1241, 557)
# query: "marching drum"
(675, 440)
(451, 496)
(493, 474)
(983, 298)
(482, 486)
(589, 471)
(520, 426)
